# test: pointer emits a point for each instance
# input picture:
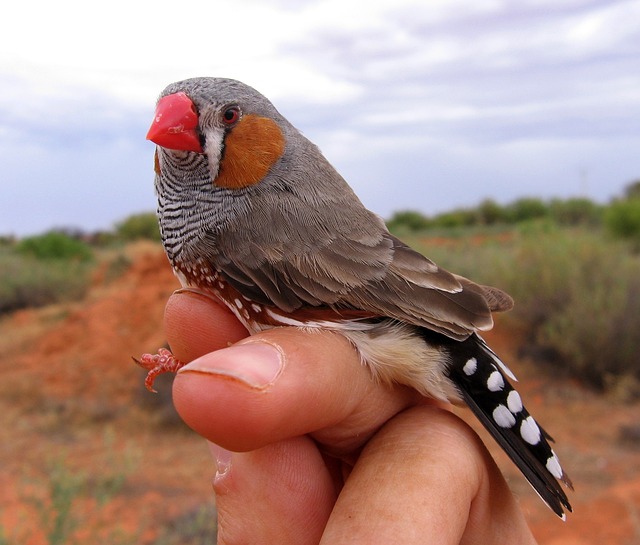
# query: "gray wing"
(362, 268)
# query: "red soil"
(71, 396)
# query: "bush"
(568, 212)
(139, 226)
(576, 211)
(527, 209)
(408, 220)
(596, 330)
(30, 282)
(460, 217)
(577, 295)
(54, 245)
(622, 218)
(491, 213)
(44, 269)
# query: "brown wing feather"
(387, 279)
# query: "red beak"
(174, 124)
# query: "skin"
(309, 450)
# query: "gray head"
(211, 94)
(228, 163)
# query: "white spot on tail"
(514, 402)
(503, 417)
(470, 367)
(553, 465)
(530, 431)
(495, 382)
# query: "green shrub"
(408, 220)
(527, 209)
(596, 330)
(26, 281)
(139, 226)
(568, 212)
(490, 212)
(622, 218)
(577, 295)
(460, 217)
(575, 211)
(54, 245)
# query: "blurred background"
(502, 140)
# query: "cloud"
(419, 105)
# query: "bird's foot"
(162, 362)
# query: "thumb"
(283, 383)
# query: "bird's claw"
(162, 362)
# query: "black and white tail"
(480, 377)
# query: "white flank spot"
(238, 303)
(256, 308)
(503, 417)
(495, 382)
(553, 465)
(514, 402)
(470, 367)
(283, 319)
(181, 277)
(530, 431)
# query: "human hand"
(310, 450)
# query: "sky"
(426, 105)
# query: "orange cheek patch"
(251, 149)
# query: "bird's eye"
(231, 115)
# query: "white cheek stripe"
(213, 149)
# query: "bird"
(252, 212)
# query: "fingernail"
(223, 460)
(256, 364)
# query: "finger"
(426, 477)
(197, 323)
(281, 494)
(283, 383)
